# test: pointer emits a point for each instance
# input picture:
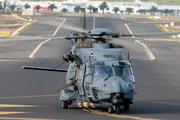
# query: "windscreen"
(123, 72)
(101, 72)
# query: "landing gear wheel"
(126, 106)
(117, 109)
(64, 104)
(110, 109)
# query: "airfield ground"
(26, 94)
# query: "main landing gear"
(65, 104)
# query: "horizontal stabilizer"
(42, 68)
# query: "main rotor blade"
(54, 23)
(27, 38)
(150, 34)
(73, 28)
(131, 45)
(65, 26)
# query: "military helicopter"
(97, 72)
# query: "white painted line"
(37, 48)
(129, 30)
(19, 29)
(148, 52)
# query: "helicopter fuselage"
(102, 76)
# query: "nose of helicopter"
(122, 91)
(121, 85)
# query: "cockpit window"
(123, 72)
(102, 72)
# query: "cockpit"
(101, 72)
(104, 71)
(123, 72)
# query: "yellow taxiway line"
(11, 118)
(99, 112)
(12, 105)
(11, 112)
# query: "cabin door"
(80, 81)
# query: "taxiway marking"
(129, 30)
(12, 105)
(37, 48)
(148, 52)
(100, 112)
(11, 118)
(11, 112)
(29, 96)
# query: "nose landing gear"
(112, 109)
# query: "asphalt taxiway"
(26, 94)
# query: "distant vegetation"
(159, 2)
(45, 0)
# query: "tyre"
(118, 109)
(64, 104)
(126, 106)
(110, 109)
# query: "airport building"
(70, 4)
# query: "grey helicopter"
(97, 72)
